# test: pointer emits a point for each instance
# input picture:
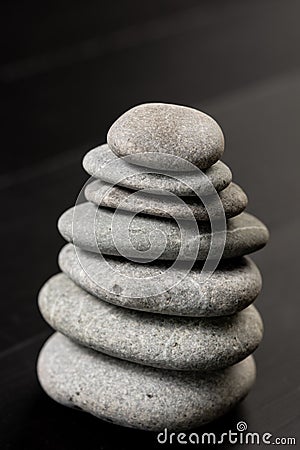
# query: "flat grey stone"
(155, 288)
(138, 396)
(233, 198)
(169, 342)
(102, 163)
(149, 132)
(90, 228)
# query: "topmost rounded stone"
(165, 136)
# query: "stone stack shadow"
(145, 336)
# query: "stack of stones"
(131, 346)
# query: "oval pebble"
(233, 199)
(168, 342)
(155, 288)
(138, 396)
(165, 135)
(90, 228)
(102, 163)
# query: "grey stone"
(138, 396)
(155, 288)
(169, 342)
(149, 132)
(102, 163)
(233, 198)
(90, 228)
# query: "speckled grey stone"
(91, 229)
(168, 342)
(138, 396)
(233, 198)
(151, 287)
(147, 132)
(102, 163)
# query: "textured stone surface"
(233, 198)
(102, 163)
(156, 288)
(90, 228)
(138, 396)
(169, 342)
(147, 132)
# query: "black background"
(68, 70)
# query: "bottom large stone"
(137, 396)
